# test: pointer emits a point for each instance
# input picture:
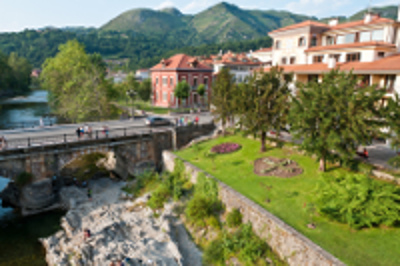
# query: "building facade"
(369, 47)
(178, 68)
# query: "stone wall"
(184, 135)
(289, 244)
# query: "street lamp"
(131, 95)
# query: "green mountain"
(386, 12)
(219, 23)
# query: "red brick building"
(166, 74)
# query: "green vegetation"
(234, 218)
(24, 179)
(85, 166)
(242, 244)
(77, 85)
(15, 74)
(291, 200)
(263, 103)
(359, 200)
(142, 184)
(394, 162)
(182, 90)
(334, 117)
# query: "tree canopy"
(263, 103)
(77, 85)
(334, 117)
(15, 74)
(182, 90)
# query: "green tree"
(201, 90)
(392, 117)
(182, 90)
(21, 72)
(334, 117)
(222, 97)
(263, 103)
(145, 90)
(77, 85)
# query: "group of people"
(3, 143)
(186, 121)
(81, 131)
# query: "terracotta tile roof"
(180, 61)
(375, 20)
(388, 64)
(231, 58)
(350, 45)
(300, 25)
(263, 50)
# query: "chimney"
(333, 22)
(369, 16)
(163, 62)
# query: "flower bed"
(227, 147)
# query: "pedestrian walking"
(3, 143)
(196, 120)
(78, 133)
(89, 194)
(41, 124)
(176, 121)
(86, 234)
(90, 132)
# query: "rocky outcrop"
(34, 197)
(119, 230)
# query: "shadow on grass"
(236, 163)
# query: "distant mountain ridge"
(219, 23)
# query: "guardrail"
(23, 143)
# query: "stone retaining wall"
(289, 244)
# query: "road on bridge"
(37, 136)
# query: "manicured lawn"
(289, 196)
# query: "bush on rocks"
(234, 218)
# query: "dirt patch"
(271, 166)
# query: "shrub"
(359, 201)
(159, 197)
(214, 253)
(24, 179)
(394, 162)
(142, 184)
(206, 187)
(213, 222)
(199, 208)
(234, 218)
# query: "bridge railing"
(22, 143)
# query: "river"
(25, 111)
(19, 235)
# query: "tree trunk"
(263, 139)
(322, 164)
(223, 128)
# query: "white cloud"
(318, 8)
(196, 5)
(165, 4)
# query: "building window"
(314, 41)
(389, 82)
(302, 42)
(283, 61)
(381, 55)
(289, 44)
(156, 80)
(183, 79)
(278, 45)
(336, 56)
(312, 78)
(353, 57)
(350, 38)
(171, 98)
(340, 39)
(206, 82)
(365, 36)
(195, 82)
(171, 81)
(330, 40)
(377, 35)
(164, 81)
(318, 58)
(364, 80)
(165, 96)
(292, 60)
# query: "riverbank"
(120, 229)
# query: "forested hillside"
(144, 36)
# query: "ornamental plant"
(225, 147)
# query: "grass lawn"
(288, 197)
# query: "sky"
(17, 15)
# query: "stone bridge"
(132, 154)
